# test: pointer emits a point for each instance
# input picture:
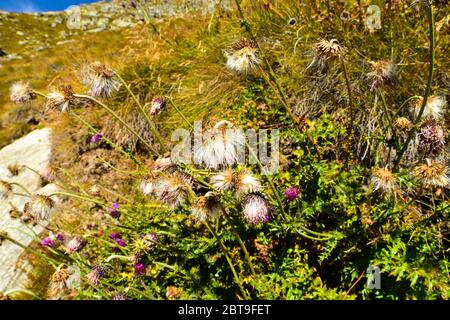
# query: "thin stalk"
(25, 291)
(388, 116)
(31, 169)
(227, 256)
(106, 139)
(39, 94)
(241, 242)
(150, 123)
(404, 104)
(110, 111)
(76, 196)
(272, 186)
(21, 187)
(180, 113)
(432, 36)
(17, 243)
(308, 236)
(350, 97)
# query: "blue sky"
(38, 5)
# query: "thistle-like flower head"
(431, 137)
(76, 244)
(223, 180)
(383, 180)
(242, 57)
(434, 108)
(61, 99)
(5, 190)
(47, 174)
(149, 184)
(432, 174)
(246, 182)
(220, 146)
(403, 124)
(100, 79)
(97, 273)
(174, 189)
(324, 52)
(256, 209)
(22, 92)
(207, 207)
(382, 74)
(14, 169)
(39, 207)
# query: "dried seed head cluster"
(149, 184)
(403, 124)
(431, 137)
(384, 181)
(60, 278)
(434, 108)
(256, 209)
(14, 169)
(173, 292)
(383, 74)
(432, 174)
(246, 182)
(242, 182)
(22, 92)
(61, 99)
(220, 146)
(5, 190)
(48, 175)
(324, 52)
(223, 180)
(242, 57)
(207, 207)
(76, 244)
(174, 189)
(100, 79)
(39, 207)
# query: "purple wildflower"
(291, 193)
(121, 242)
(48, 242)
(114, 210)
(97, 137)
(115, 235)
(140, 269)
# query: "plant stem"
(272, 186)
(110, 111)
(21, 187)
(150, 123)
(180, 113)
(227, 256)
(350, 99)
(241, 242)
(432, 39)
(17, 243)
(76, 196)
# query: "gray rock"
(33, 150)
